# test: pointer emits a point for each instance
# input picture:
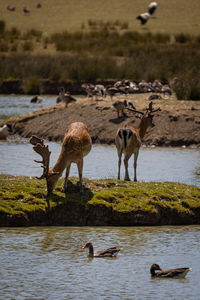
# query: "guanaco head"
(48, 174)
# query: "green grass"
(55, 16)
(19, 195)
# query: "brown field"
(172, 16)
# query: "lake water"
(154, 164)
(14, 105)
(49, 263)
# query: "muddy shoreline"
(75, 214)
(177, 124)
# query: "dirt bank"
(177, 124)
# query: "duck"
(120, 106)
(171, 273)
(36, 99)
(66, 97)
(110, 252)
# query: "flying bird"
(152, 7)
(143, 18)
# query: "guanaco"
(128, 139)
(76, 144)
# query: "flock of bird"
(126, 87)
(25, 9)
(112, 252)
(144, 17)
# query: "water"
(14, 105)
(49, 263)
(154, 164)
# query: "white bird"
(4, 131)
(152, 7)
(143, 18)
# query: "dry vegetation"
(56, 16)
(99, 40)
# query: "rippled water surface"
(49, 263)
(14, 105)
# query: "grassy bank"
(22, 196)
(55, 16)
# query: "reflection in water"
(49, 263)
(154, 164)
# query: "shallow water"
(15, 105)
(154, 164)
(49, 263)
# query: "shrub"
(2, 26)
(15, 33)
(183, 38)
(27, 46)
(194, 93)
(4, 46)
(32, 86)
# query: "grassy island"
(105, 202)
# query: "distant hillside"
(55, 16)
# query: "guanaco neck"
(142, 128)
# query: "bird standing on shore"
(66, 97)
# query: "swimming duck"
(111, 252)
(171, 273)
